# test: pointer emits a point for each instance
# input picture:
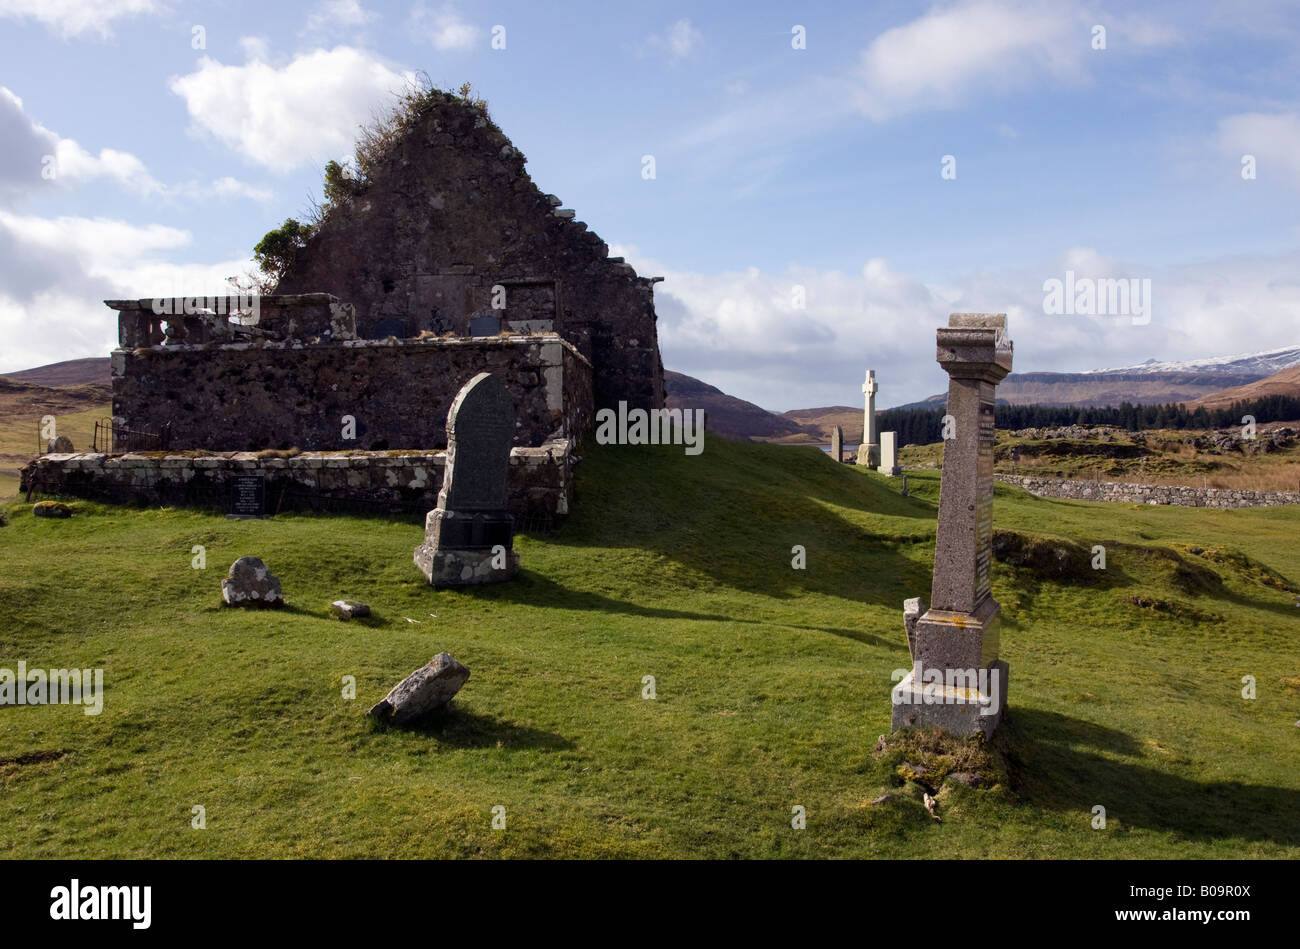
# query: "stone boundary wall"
(540, 480)
(1149, 493)
(253, 396)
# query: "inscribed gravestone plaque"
(248, 496)
(469, 536)
(484, 325)
(984, 501)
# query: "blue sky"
(775, 167)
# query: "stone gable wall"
(450, 213)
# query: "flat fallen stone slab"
(51, 509)
(426, 690)
(350, 609)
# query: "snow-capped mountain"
(1261, 364)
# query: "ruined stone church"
(444, 261)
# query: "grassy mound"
(771, 684)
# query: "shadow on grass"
(458, 727)
(1056, 761)
(735, 514)
(532, 589)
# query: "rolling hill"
(728, 416)
(70, 372)
(817, 425)
(1286, 382)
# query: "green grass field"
(19, 442)
(772, 684)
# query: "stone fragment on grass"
(250, 583)
(350, 609)
(426, 690)
(51, 509)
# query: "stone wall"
(281, 394)
(1149, 493)
(540, 480)
(448, 213)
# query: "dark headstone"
(389, 327)
(485, 325)
(469, 536)
(248, 496)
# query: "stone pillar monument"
(957, 681)
(869, 450)
(469, 536)
(837, 444)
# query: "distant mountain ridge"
(1150, 383)
(1259, 364)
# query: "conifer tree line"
(923, 426)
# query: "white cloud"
(285, 116)
(223, 187)
(678, 42)
(957, 50)
(226, 187)
(70, 18)
(1274, 140)
(939, 58)
(35, 157)
(741, 331)
(443, 28)
(1140, 31)
(339, 13)
(55, 271)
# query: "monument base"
(893, 472)
(869, 455)
(950, 705)
(958, 640)
(449, 567)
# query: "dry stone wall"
(1149, 493)
(540, 480)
